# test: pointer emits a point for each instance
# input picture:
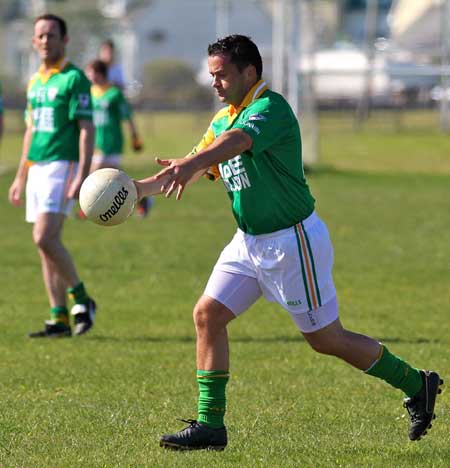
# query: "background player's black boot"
(421, 406)
(84, 315)
(196, 437)
(52, 330)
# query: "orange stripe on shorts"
(308, 266)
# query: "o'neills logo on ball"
(118, 201)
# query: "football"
(108, 196)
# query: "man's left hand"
(179, 173)
(136, 144)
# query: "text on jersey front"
(43, 119)
(234, 175)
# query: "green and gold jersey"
(110, 108)
(266, 184)
(56, 101)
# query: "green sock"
(78, 294)
(60, 314)
(397, 373)
(211, 400)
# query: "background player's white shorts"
(107, 159)
(292, 267)
(47, 187)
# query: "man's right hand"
(15, 192)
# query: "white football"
(108, 197)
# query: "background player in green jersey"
(110, 110)
(281, 249)
(56, 155)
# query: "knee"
(202, 318)
(210, 317)
(322, 347)
(330, 345)
(42, 240)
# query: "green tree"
(171, 83)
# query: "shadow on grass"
(328, 169)
(409, 340)
(324, 170)
(246, 339)
(191, 339)
(355, 173)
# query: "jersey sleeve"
(213, 172)
(266, 122)
(80, 102)
(27, 116)
(28, 113)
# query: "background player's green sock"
(211, 400)
(78, 293)
(60, 314)
(397, 373)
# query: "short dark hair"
(51, 17)
(241, 50)
(99, 67)
(109, 43)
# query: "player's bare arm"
(148, 187)
(192, 170)
(154, 186)
(16, 189)
(181, 171)
(86, 143)
(136, 143)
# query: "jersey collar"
(56, 68)
(254, 93)
(97, 90)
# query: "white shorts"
(101, 159)
(292, 266)
(47, 187)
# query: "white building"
(183, 29)
(419, 25)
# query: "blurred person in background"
(56, 156)
(107, 54)
(110, 110)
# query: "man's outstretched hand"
(177, 172)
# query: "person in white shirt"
(115, 70)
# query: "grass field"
(103, 400)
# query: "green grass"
(103, 400)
